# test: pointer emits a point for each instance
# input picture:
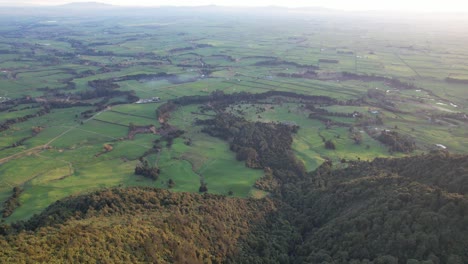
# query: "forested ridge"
(387, 211)
(134, 225)
(406, 210)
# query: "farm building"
(148, 101)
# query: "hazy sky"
(407, 5)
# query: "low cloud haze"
(416, 5)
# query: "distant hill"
(87, 5)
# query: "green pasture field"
(16, 114)
(210, 157)
(43, 191)
(71, 166)
(13, 89)
(202, 86)
(122, 119)
(307, 143)
(144, 110)
(67, 157)
(101, 128)
(11, 137)
(427, 134)
(315, 87)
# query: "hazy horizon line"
(44, 5)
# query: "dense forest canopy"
(384, 211)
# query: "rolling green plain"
(46, 63)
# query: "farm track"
(281, 83)
(409, 66)
(111, 123)
(122, 113)
(249, 86)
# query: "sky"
(393, 5)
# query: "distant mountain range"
(87, 5)
(95, 8)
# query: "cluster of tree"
(134, 130)
(196, 46)
(329, 144)
(5, 125)
(397, 142)
(261, 145)
(277, 62)
(87, 113)
(392, 82)
(203, 187)
(402, 212)
(367, 121)
(226, 57)
(168, 135)
(307, 74)
(345, 52)
(17, 143)
(438, 169)
(104, 89)
(84, 49)
(455, 80)
(329, 61)
(65, 104)
(206, 69)
(170, 183)
(59, 92)
(387, 105)
(327, 121)
(356, 136)
(100, 43)
(460, 116)
(103, 84)
(148, 226)
(250, 156)
(35, 130)
(144, 169)
(12, 202)
(105, 149)
(143, 77)
(8, 104)
(260, 57)
(3, 51)
(219, 100)
(163, 111)
(382, 102)
(268, 182)
(376, 94)
(101, 88)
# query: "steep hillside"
(386, 211)
(135, 225)
(408, 210)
